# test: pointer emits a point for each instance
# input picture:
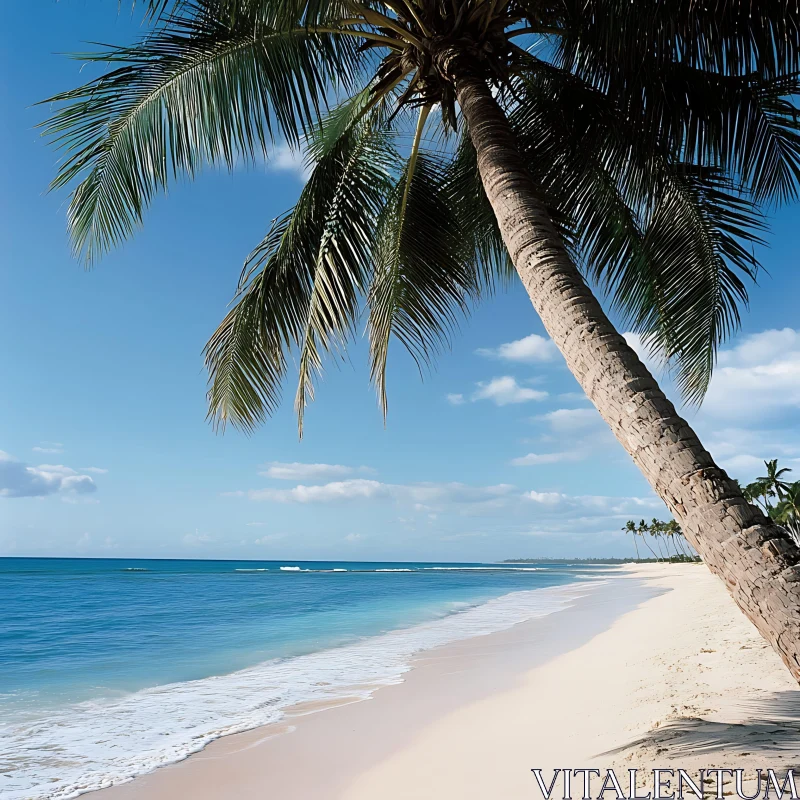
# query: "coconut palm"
(772, 481)
(758, 492)
(641, 529)
(673, 530)
(657, 531)
(627, 146)
(787, 512)
(630, 527)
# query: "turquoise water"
(109, 668)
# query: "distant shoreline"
(672, 559)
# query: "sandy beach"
(655, 668)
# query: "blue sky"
(106, 449)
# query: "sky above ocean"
(107, 452)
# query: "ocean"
(110, 668)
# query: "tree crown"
(654, 132)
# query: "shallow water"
(110, 668)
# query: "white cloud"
(285, 159)
(297, 471)
(759, 348)
(17, 479)
(94, 470)
(422, 497)
(531, 349)
(356, 488)
(742, 452)
(506, 391)
(546, 498)
(353, 537)
(757, 378)
(456, 399)
(53, 448)
(533, 459)
(567, 420)
(600, 506)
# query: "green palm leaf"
(424, 277)
(200, 91)
(302, 286)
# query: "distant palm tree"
(673, 530)
(657, 529)
(787, 512)
(629, 144)
(643, 528)
(630, 527)
(758, 493)
(772, 480)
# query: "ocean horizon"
(114, 667)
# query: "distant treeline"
(593, 560)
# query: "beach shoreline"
(625, 677)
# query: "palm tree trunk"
(755, 558)
(655, 555)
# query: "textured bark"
(755, 558)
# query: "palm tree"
(772, 480)
(673, 530)
(626, 145)
(641, 529)
(630, 527)
(758, 492)
(787, 512)
(657, 529)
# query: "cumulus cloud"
(456, 399)
(758, 378)
(545, 498)
(17, 479)
(567, 420)
(297, 471)
(422, 497)
(356, 488)
(286, 159)
(534, 459)
(531, 349)
(52, 448)
(599, 506)
(742, 452)
(506, 391)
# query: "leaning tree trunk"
(755, 558)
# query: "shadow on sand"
(767, 735)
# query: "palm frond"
(301, 287)
(424, 275)
(668, 243)
(200, 91)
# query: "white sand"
(681, 680)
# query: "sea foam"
(96, 744)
